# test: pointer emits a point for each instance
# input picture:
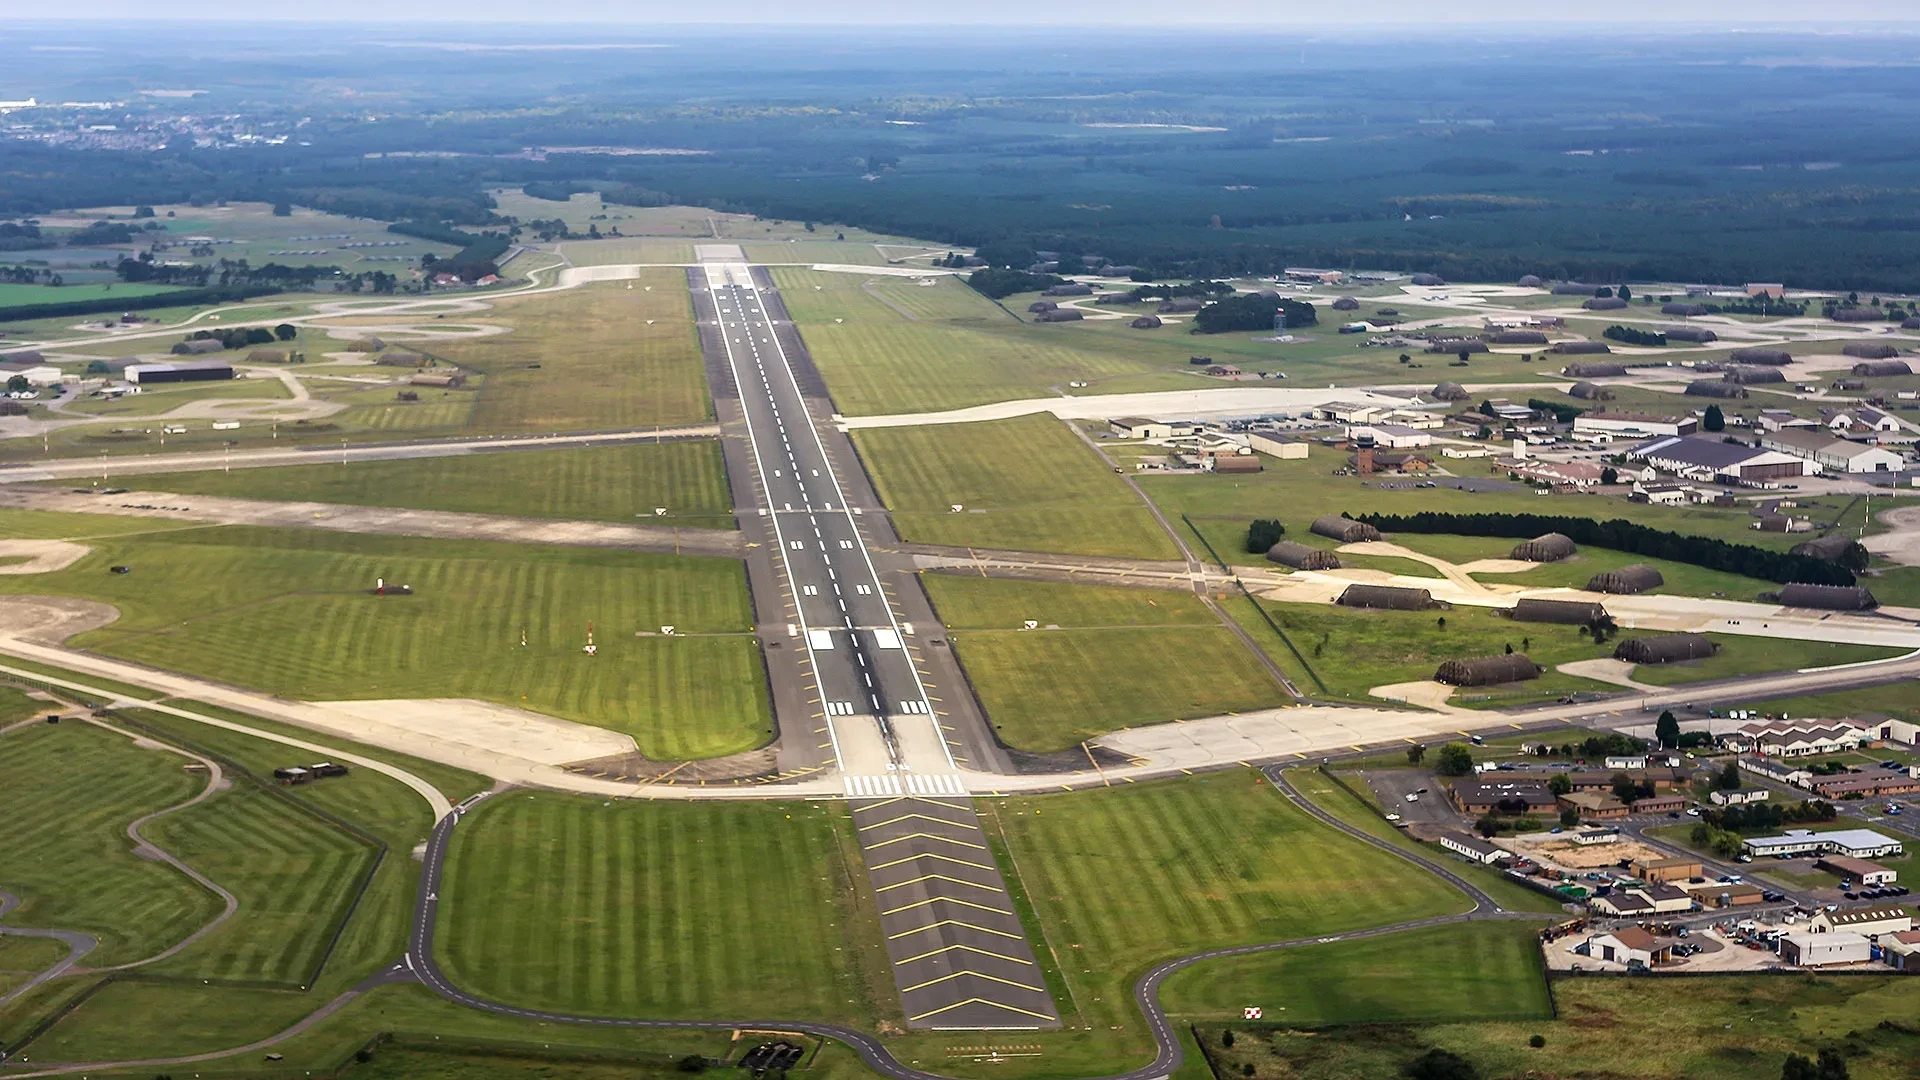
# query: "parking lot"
(1392, 786)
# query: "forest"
(1602, 158)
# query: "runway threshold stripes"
(961, 959)
(890, 785)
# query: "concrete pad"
(43, 556)
(518, 733)
(1425, 693)
(1497, 566)
(719, 253)
(1246, 400)
(1608, 670)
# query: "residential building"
(1667, 899)
(1868, 922)
(1738, 798)
(1720, 894)
(1836, 455)
(1825, 950)
(1472, 847)
(1712, 460)
(1622, 904)
(1796, 738)
(1633, 425)
(1866, 784)
(1779, 772)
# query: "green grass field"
(1753, 656)
(1894, 699)
(1123, 877)
(67, 793)
(295, 875)
(1098, 663)
(704, 909)
(1731, 1026)
(814, 296)
(1026, 484)
(14, 295)
(21, 958)
(208, 602)
(1354, 650)
(1472, 971)
(586, 359)
(165, 399)
(610, 483)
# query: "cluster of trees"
(1253, 312)
(20, 237)
(1633, 335)
(1454, 759)
(1262, 534)
(1563, 413)
(1829, 1064)
(1759, 305)
(1622, 535)
(101, 233)
(183, 298)
(237, 337)
(1169, 292)
(1768, 816)
(997, 284)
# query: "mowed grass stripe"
(67, 794)
(968, 602)
(1466, 972)
(291, 612)
(653, 909)
(598, 483)
(294, 875)
(1123, 877)
(1054, 689)
(1026, 483)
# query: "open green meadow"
(1025, 484)
(1753, 656)
(68, 793)
(292, 612)
(1463, 972)
(815, 296)
(1354, 650)
(295, 875)
(1732, 1026)
(1899, 699)
(165, 399)
(699, 909)
(21, 958)
(14, 295)
(587, 359)
(602, 483)
(1100, 661)
(1120, 878)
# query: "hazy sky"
(1410, 15)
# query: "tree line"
(1253, 312)
(1622, 535)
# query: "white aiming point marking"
(810, 590)
(659, 511)
(1251, 1012)
(667, 629)
(1033, 624)
(957, 508)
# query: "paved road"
(78, 945)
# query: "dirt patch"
(42, 556)
(51, 620)
(747, 765)
(409, 723)
(1571, 856)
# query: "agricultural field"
(587, 359)
(699, 909)
(603, 483)
(13, 295)
(70, 792)
(1099, 661)
(1119, 878)
(1753, 656)
(1465, 972)
(1025, 484)
(1736, 1027)
(1353, 651)
(202, 602)
(250, 231)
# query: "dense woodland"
(1600, 159)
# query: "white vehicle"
(1393, 817)
(1413, 796)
